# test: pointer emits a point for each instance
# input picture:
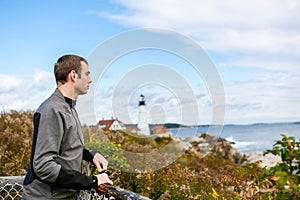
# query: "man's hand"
(100, 162)
(103, 178)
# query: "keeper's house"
(111, 124)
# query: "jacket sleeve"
(88, 155)
(71, 179)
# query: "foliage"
(289, 151)
(111, 151)
(288, 171)
(16, 130)
(189, 177)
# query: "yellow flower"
(215, 195)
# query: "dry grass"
(189, 177)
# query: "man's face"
(83, 82)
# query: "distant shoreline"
(178, 125)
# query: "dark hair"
(65, 65)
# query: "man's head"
(65, 65)
(72, 71)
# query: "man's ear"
(73, 75)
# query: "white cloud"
(42, 80)
(22, 93)
(109, 103)
(272, 98)
(265, 62)
(254, 26)
(260, 34)
(9, 83)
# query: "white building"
(143, 119)
(111, 124)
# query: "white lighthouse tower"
(143, 121)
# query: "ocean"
(246, 138)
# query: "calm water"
(247, 138)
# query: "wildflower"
(182, 187)
(215, 195)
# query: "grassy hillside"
(188, 177)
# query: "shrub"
(189, 177)
(16, 129)
(288, 171)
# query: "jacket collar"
(71, 102)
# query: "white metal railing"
(11, 189)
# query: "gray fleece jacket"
(57, 152)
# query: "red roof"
(159, 129)
(132, 128)
(105, 124)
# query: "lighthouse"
(143, 121)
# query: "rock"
(206, 143)
(264, 161)
(183, 146)
(225, 149)
(230, 188)
(193, 139)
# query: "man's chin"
(83, 92)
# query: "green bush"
(289, 151)
(112, 152)
(288, 171)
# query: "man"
(57, 145)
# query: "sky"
(253, 46)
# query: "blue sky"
(254, 45)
